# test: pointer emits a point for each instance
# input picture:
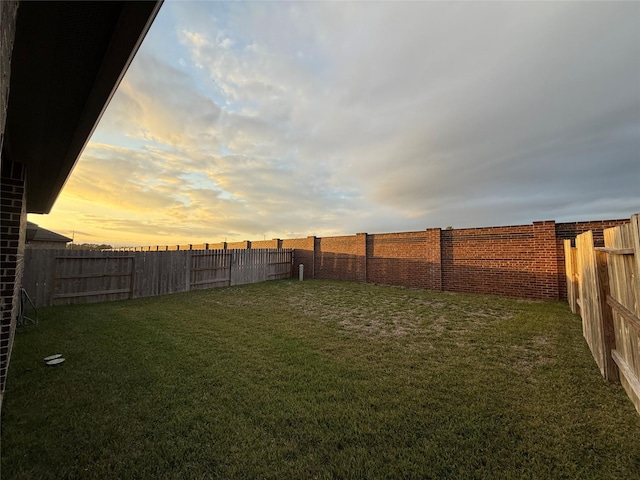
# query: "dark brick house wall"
(13, 217)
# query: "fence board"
(634, 226)
(597, 322)
(570, 272)
(72, 276)
(623, 251)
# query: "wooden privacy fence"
(58, 277)
(603, 285)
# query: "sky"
(259, 120)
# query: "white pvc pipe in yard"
(301, 272)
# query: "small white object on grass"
(52, 357)
(55, 361)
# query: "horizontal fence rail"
(59, 277)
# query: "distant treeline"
(88, 246)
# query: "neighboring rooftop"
(38, 234)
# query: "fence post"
(312, 240)
(570, 273)
(635, 240)
(133, 277)
(546, 264)
(608, 332)
(188, 270)
(361, 257)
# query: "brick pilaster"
(433, 258)
(312, 245)
(545, 268)
(361, 257)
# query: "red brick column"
(433, 259)
(361, 256)
(312, 245)
(545, 265)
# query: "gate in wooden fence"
(603, 285)
(57, 277)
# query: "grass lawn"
(314, 379)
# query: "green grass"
(314, 379)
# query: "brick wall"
(13, 218)
(409, 259)
(13, 228)
(303, 254)
(495, 260)
(522, 260)
(243, 244)
(8, 11)
(336, 258)
(273, 243)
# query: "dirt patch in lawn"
(375, 313)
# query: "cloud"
(548, 103)
(238, 120)
(160, 103)
(106, 172)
